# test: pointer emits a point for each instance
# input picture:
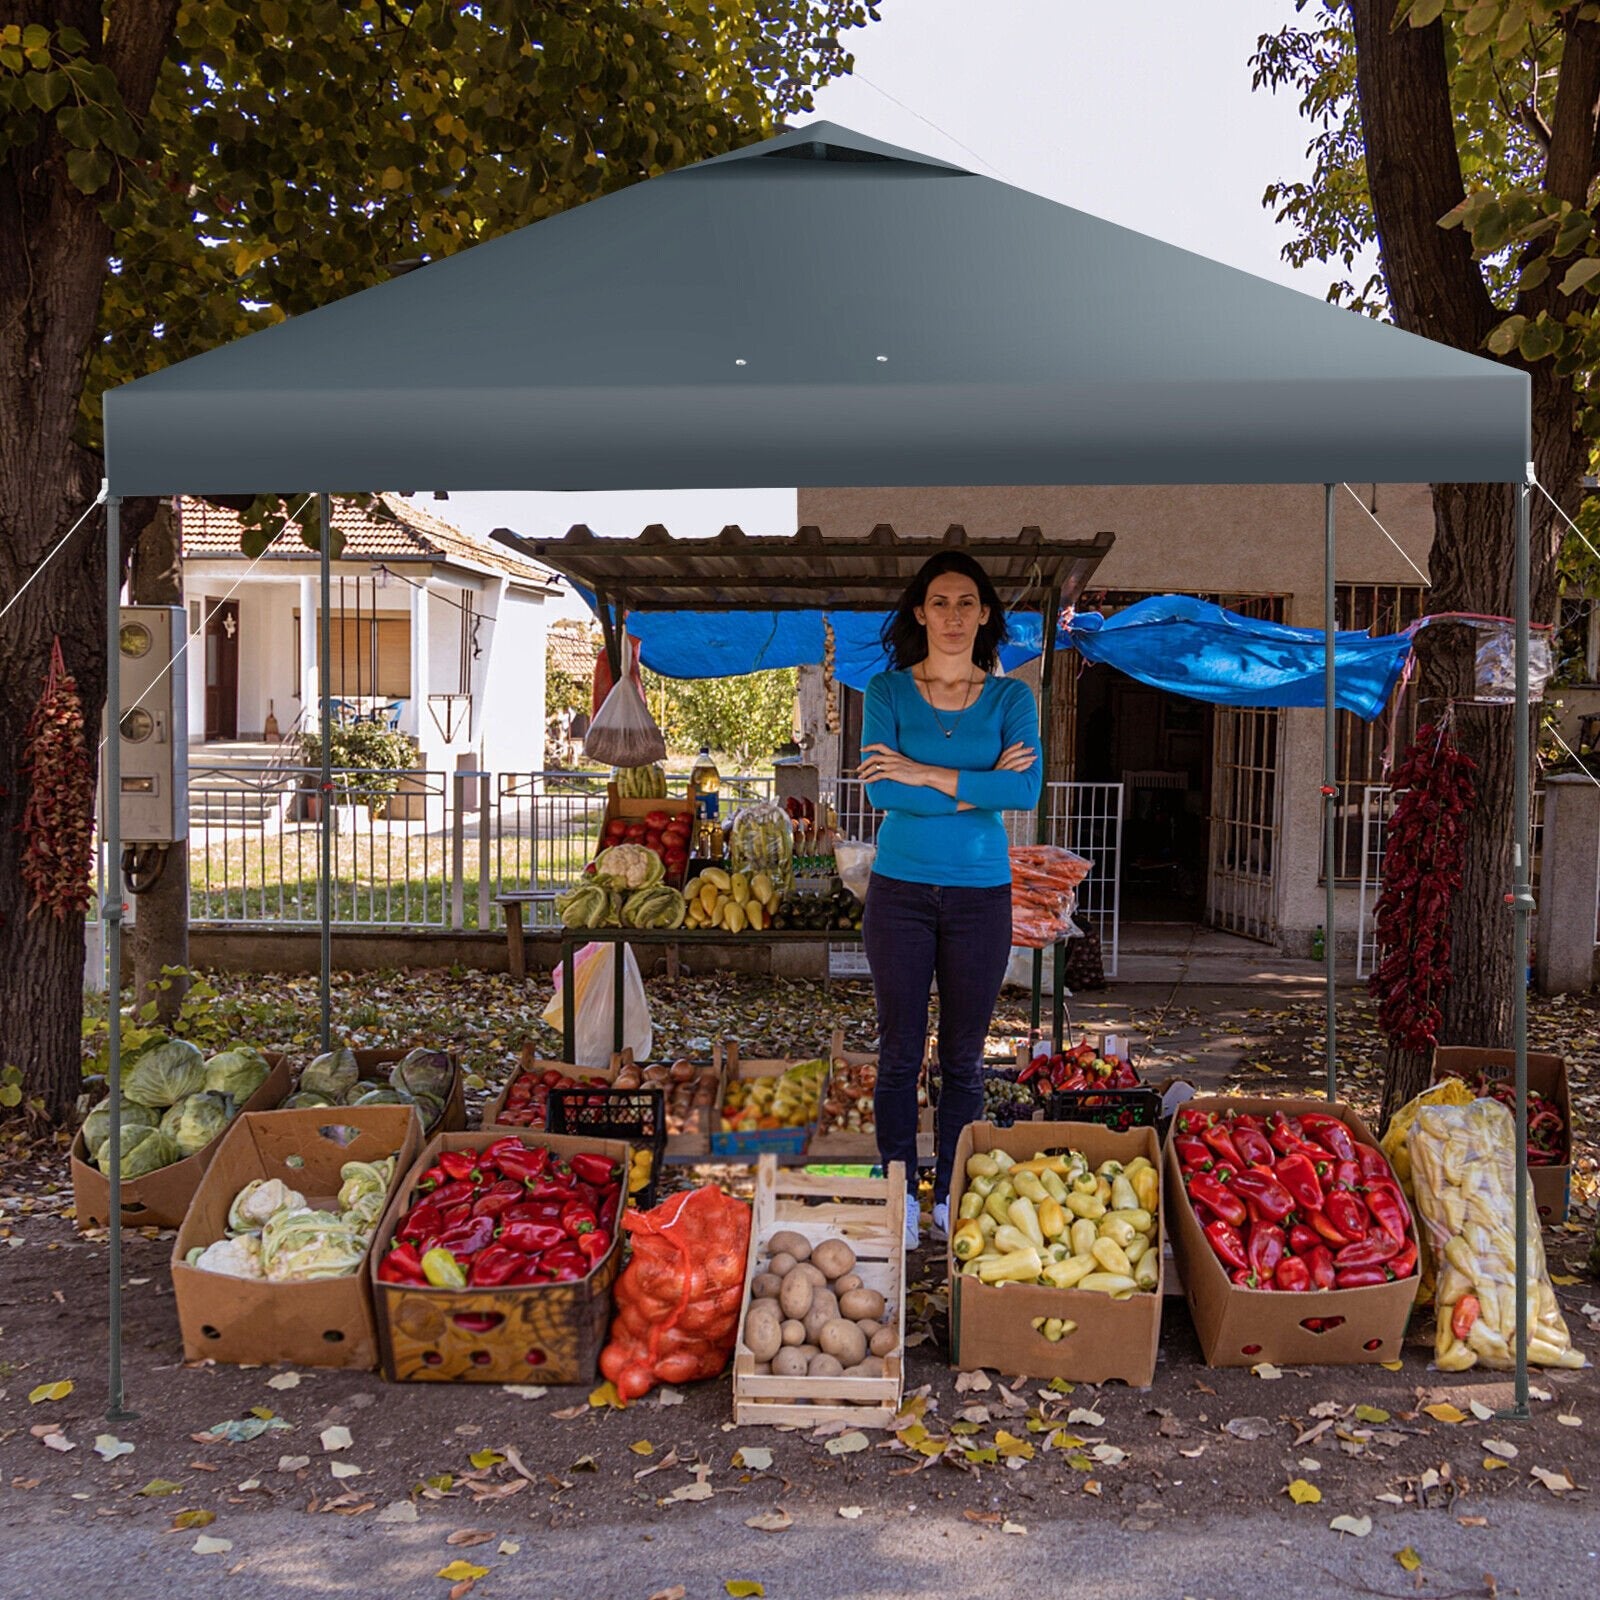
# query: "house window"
(370, 655)
(294, 656)
(1364, 748)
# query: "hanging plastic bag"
(594, 1006)
(678, 1298)
(623, 733)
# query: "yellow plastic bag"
(1463, 1163)
(1396, 1143)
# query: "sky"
(1141, 115)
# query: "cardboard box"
(1239, 1327)
(161, 1198)
(326, 1323)
(843, 1145)
(869, 1214)
(756, 1142)
(532, 1062)
(545, 1333)
(1552, 1186)
(991, 1324)
(374, 1065)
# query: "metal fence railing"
(1377, 808)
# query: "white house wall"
(512, 734)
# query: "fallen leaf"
(1391, 1366)
(669, 1397)
(1408, 1558)
(770, 1521)
(507, 1547)
(1372, 1414)
(1565, 1279)
(1012, 1527)
(293, 1463)
(397, 1511)
(336, 1439)
(50, 1391)
(1265, 1369)
(485, 1458)
(458, 1569)
(1248, 1428)
(108, 1446)
(206, 1545)
(1499, 1447)
(1555, 1482)
(849, 1513)
(1566, 1418)
(284, 1380)
(1303, 1493)
(525, 1391)
(159, 1486)
(59, 1442)
(1090, 1419)
(194, 1519)
(741, 1588)
(567, 1413)
(262, 1413)
(606, 1395)
(344, 1469)
(1443, 1411)
(676, 1592)
(1473, 1522)
(464, 1537)
(642, 1447)
(756, 1457)
(1482, 1412)
(1357, 1527)
(1492, 1464)
(1327, 1408)
(1009, 1445)
(846, 1444)
(972, 1382)
(1109, 1455)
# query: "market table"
(571, 938)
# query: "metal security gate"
(1241, 894)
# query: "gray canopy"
(817, 309)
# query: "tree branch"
(1575, 120)
(1414, 177)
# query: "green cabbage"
(423, 1073)
(380, 1095)
(304, 1099)
(334, 1074)
(237, 1073)
(164, 1075)
(97, 1125)
(196, 1120)
(144, 1150)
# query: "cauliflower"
(238, 1258)
(629, 866)
(259, 1200)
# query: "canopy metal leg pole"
(1330, 783)
(111, 915)
(325, 842)
(1041, 827)
(1522, 904)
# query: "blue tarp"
(1173, 642)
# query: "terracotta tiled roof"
(391, 529)
(572, 648)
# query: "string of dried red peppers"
(58, 815)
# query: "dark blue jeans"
(913, 933)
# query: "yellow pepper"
(1008, 1238)
(987, 1225)
(1040, 1165)
(981, 1165)
(1086, 1184)
(1084, 1233)
(1110, 1256)
(984, 1184)
(1147, 1269)
(1138, 1219)
(1019, 1266)
(1029, 1187)
(1070, 1273)
(995, 1206)
(1053, 1186)
(1119, 1285)
(1052, 1219)
(1023, 1216)
(1002, 1159)
(1086, 1205)
(971, 1206)
(1147, 1188)
(967, 1240)
(1122, 1196)
(1136, 1248)
(1117, 1230)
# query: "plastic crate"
(637, 1115)
(1117, 1109)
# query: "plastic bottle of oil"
(705, 783)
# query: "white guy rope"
(1385, 532)
(99, 500)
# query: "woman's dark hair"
(905, 640)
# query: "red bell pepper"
(468, 1238)
(1330, 1133)
(1404, 1261)
(1225, 1240)
(1265, 1251)
(452, 1190)
(1293, 1276)
(526, 1165)
(497, 1198)
(1283, 1134)
(1243, 1278)
(1303, 1238)
(578, 1216)
(531, 1238)
(533, 1211)
(1221, 1201)
(1247, 1119)
(1262, 1187)
(1253, 1146)
(1373, 1163)
(1296, 1173)
(1465, 1314)
(1191, 1120)
(1193, 1156)
(1389, 1212)
(1220, 1142)
(1377, 1247)
(424, 1221)
(1343, 1175)
(608, 1212)
(566, 1263)
(462, 1164)
(594, 1245)
(496, 1265)
(1325, 1230)
(552, 1185)
(432, 1178)
(1361, 1277)
(1319, 1262)
(401, 1265)
(1347, 1214)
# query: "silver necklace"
(966, 705)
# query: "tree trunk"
(160, 935)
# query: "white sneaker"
(913, 1224)
(941, 1220)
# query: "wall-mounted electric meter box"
(153, 723)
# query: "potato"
(862, 1303)
(793, 1332)
(835, 1257)
(808, 1269)
(866, 1325)
(844, 1340)
(762, 1368)
(765, 1286)
(796, 1244)
(867, 1367)
(795, 1296)
(762, 1333)
(885, 1342)
(824, 1366)
(782, 1264)
(824, 1308)
(851, 1280)
(789, 1363)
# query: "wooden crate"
(749, 1145)
(869, 1215)
(540, 1333)
(843, 1145)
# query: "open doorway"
(1158, 746)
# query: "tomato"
(634, 832)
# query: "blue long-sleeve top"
(925, 837)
